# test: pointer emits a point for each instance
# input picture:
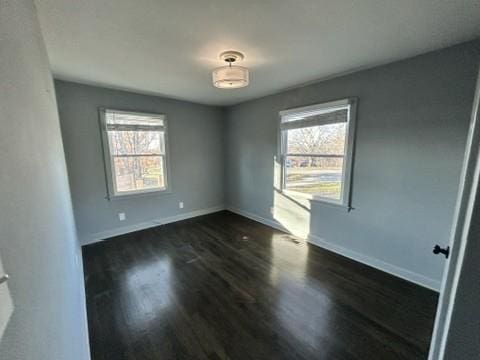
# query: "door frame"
(459, 232)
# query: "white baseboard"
(272, 223)
(102, 235)
(376, 263)
(364, 259)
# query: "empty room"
(235, 180)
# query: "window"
(135, 149)
(317, 149)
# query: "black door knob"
(439, 250)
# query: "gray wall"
(412, 124)
(413, 117)
(37, 239)
(196, 160)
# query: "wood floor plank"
(225, 287)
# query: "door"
(459, 234)
(6, 305)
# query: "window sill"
(319, 200)
(139, 194)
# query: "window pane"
(321, 176)
(324, 139)
(139, 173)
(136, 142)
(119, 118)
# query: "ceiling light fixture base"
(231, 56)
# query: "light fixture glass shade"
(230, 77)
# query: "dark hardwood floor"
(225, 287)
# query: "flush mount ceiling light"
(230, 76)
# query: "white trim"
(102, 235)
(79, 263)
(350, 104)
(364, 259)
(313, 239)
(272, 223)
(112, 192)
(460, 233)
(391, 269)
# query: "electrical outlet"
(180, 204)
(121, 216)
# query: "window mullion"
(136, 155)
(316, 155)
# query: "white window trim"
(346, 195)
(112, 193)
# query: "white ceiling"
(169, 47)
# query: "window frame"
(112, 192)
(347, 175)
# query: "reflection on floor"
(225, 287)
